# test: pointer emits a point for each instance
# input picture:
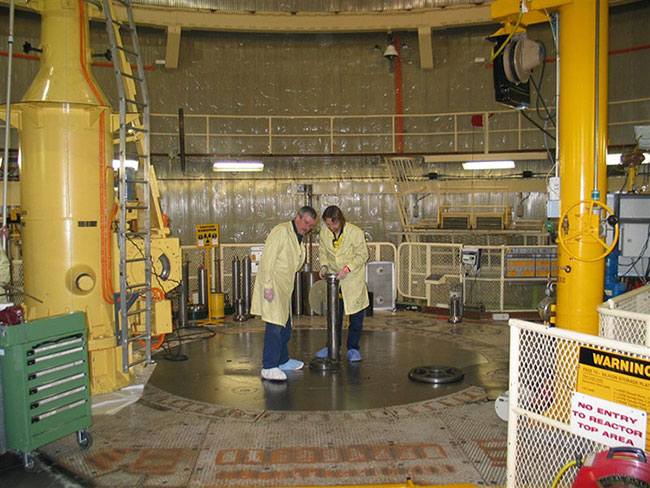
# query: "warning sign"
(606, 422)
(622, 380)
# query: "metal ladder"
(407, 180)
(134, 144)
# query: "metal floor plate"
(225, 370)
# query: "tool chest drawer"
(44, 367)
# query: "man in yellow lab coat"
(343, 250)
(283, 255)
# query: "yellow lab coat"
(281, 258)
(353, 253)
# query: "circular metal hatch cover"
(436, 374)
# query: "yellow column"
(580, 284)
(64, 123)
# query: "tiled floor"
(211, 421)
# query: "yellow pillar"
(580, 284)
(67, 188)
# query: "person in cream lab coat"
(343, 251)
(282, 257)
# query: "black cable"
(153, 272)
(640, 256)
(624, 182)
(170, 354)
(523, 112)
(551, 156)
(539, 98)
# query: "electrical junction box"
(256, 255)
(380, 276)
(553, 203)
(470, 257)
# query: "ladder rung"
(127, 51)
(135, 260)
(137, 312)
(120, 25)
(135, 363)
(135, 102)
(139, 285)
(141, 337)
(136, 234)
(133, 77)
(137, 180)
(138, 207)
(135, 129)
(136, 155)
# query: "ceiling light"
(477, 165)
(615, 158)
(237, 166)
(128, 163)
(390, 52)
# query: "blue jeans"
(356, 325)
(276, 345)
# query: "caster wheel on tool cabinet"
(84, 439)
(31, 463)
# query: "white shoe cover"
(274, 374)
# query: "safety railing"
(626, 317)
(509, 278)
(544, 369)
(378, 251)
(448, 132)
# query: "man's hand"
(323, 271)
(269, 294)
(342, 273)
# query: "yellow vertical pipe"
(580, 284)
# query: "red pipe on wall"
(399, 98)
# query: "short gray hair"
(307, 210)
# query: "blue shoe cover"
(322, 354)
(354, 355)
(291, 365)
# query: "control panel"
(470, 258)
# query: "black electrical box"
(515, 95)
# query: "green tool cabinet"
(46, 394)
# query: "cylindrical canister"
(239, 310)
(455, 305)
(217, 272)
(236, 280)
(203, 285)
(308, 280)
(184, 297)
(333, 338)
(216, 306)
(246, 285)
(296, 298)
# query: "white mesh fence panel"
(543, 377)
(426, 271)
(626, 317)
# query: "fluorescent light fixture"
(237, 166)
(614, 159)
(128, 164)
(477, 165)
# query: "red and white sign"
(606, 422)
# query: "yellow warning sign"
(616, 378)
(207, 235)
